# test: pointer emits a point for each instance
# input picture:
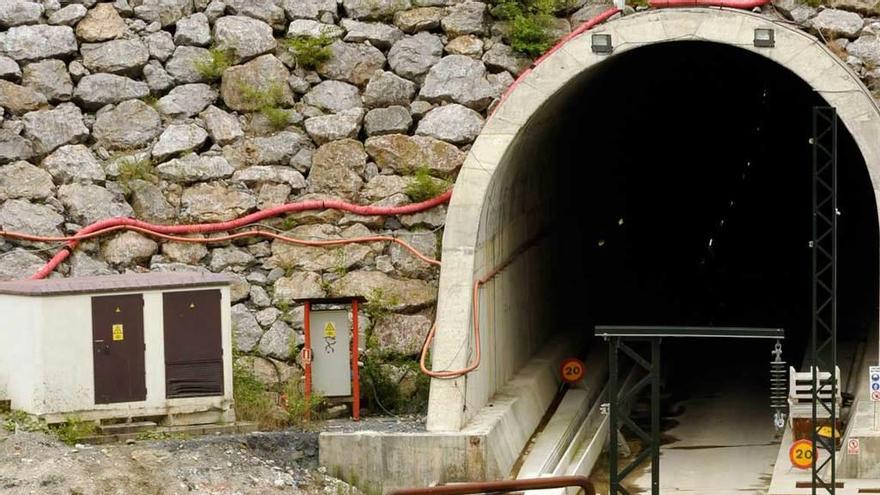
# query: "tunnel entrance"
(665, 183)
(682, 176)
(671, 185)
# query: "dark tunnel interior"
(682, 190)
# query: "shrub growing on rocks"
(530, 23)
(212, 67)
(310, 52)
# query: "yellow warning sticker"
(825, 431)
(330, 330)
(117, 332)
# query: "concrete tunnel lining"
(465, 252)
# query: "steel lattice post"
(618, 412)
(824, 304)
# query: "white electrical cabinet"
(118, 346)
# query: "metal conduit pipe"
(502, 486)
(733, 4)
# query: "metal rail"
(502, 486)
(689, 332)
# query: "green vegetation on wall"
(423, 187)
(310, 52)
(212, 67)
(271, 407)
(268, 101)
(531, 23)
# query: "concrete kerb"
(795, 50)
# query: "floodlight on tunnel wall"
(765, 38)
(602, 43)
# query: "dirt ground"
(256, 463)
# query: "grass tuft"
(136, 169)
(73, 429)
(423, 186)
(278, 118)
(21, 421)
(215, 64)
(299, 410)
(531, 23)
(252, 401)
(151, 100)
(268, 102)
(379, 304)
(285, 406)
(309, 52)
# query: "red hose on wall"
(203, 228)
(733, 4)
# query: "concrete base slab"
(865, 430)
(486, 448)
(723, 444)
(786, 478)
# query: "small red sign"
(853, 446)
(305, 356)
(572, 370)
(801, 454)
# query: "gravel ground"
(257, 463)
(397, 424)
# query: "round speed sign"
(572, 370)
(801, 454)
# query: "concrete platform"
(486, 448)
(724, 443)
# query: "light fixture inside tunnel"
(602, 43)
(765, 38)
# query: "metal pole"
(655, 416)
(824, 294)
(814, 339)
(833, 363)
(613, 482)
(307, 331)
(502, 486)
(355, 357)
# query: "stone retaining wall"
(128, 109)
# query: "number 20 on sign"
(801, 454)
(572, 370)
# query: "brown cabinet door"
(118, 348)
(193, 344)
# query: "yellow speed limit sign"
(801, 454)
(572, 370)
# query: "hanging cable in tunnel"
(738, 189)
(708, 270)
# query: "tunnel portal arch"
(472, 242)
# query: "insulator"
(778, 387)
